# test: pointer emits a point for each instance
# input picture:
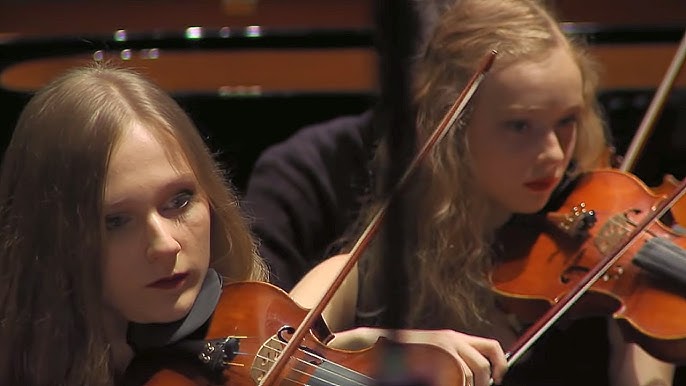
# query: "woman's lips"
(171, 282)
(541, 184)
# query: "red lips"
(542, 184)
(170, 282)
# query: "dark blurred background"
(251, 73)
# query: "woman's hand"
(481, 358)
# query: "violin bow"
(656, 104)
(455, 111)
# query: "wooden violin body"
(259, 316)
(669, 183)
(544, 256)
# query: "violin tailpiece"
(576, 223)
(214, 354)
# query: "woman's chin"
(167, 312)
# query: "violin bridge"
(266, 356)
(576, 223)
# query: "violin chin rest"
(663, 258)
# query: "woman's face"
(523, 131)
(157, 231)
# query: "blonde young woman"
(533, 124)
(112, 210)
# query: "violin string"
(333, 364)
(319, 358)
(323, 360)
(626, 226)
(331, 370)
(268, 360)
(295, 370)
(622, 224)
(340, 376)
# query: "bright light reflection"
(194, 33)
(253, 31)
(120, 35)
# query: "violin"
(247, 333)
(544, 256)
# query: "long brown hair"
(51, 193)
(449, 245)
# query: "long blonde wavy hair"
(51, 220)
(449, 245)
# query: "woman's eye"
(113, 222)
(517, 125)
(571, 120)
(181, 200)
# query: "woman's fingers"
(493, 352)
(484, 358)
(478, 363)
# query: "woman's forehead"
(140, 140)
(534, 84)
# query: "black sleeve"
(304, 192)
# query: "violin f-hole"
(565, 276)
(290, 330)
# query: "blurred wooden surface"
(67, 17)
(635, 66)
(618, 12)
(624, 66)
(247, 72)
(44, 17)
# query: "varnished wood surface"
(622, 12)
(67, 17)
(252, 72)
(625, 66)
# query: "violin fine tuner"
(214, 354)
(576, 223)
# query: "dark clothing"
(303, 193)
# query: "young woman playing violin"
(119, 232)
(532, 125)
(112, 212)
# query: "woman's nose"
(161, 241)
(553, 149)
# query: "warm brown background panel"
(254, 72)
(623, 66)
(635, 66)
(618, 12)
(67, 17)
